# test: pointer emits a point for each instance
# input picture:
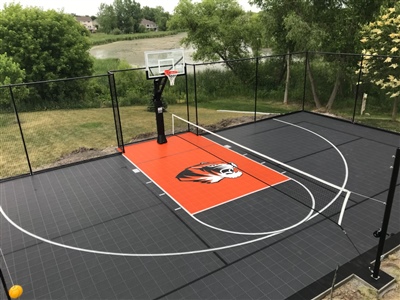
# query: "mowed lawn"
(50, 135)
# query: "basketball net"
(171, 74)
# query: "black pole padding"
(3, 281)
(159, 85)
(386, 217)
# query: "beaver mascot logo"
(209, 172)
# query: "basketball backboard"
(159, 61)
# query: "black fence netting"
(56, 123)
(46, 124)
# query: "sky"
(90, 7)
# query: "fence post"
(187, 94)
(20, 130)
(115, 106)
(386, 217)
(256, 91)
(195, 98)
(305, 80)
(357, 88)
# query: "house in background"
(87, 22)
(149, 25)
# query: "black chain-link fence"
(47, 124)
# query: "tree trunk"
(334, 92)
(285, 97)
(283, 71)
(312, 83)
(394, 111)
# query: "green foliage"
(305, 36)
(382, 37)
(330, 26)
(217, 29)
(132, 86)
(46, 44)
(124, 15)
(102, 66)
(116, 31)
(107, 18)
(10, 73)
(128, 15)
(157, 15)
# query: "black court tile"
(106, 205)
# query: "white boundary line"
(279, 162)
(346, 176)
(341, 189)
(267, 232)
(130, 254)
(185, 252)
(230, 231)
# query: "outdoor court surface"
(160, 222)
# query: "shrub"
(116, 31)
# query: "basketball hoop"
(171, 74)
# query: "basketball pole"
(388, 209)
(159, 85)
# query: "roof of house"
(148, 22)
(83, 19)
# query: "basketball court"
(266, 210)
(126, 227)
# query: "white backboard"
(159, 61)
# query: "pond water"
(133, 51)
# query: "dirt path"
(356, 289)
(133, 51)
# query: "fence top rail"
(53, 80)
(129, 69)
(352, 54)
(242, 59)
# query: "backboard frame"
(158, 61)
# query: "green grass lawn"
(53, 134)
(50, 135)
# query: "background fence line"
(51, 123)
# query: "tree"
(124, 15)
(382, 37)
(107, 18)
(157, 15)
(46, 44)
(306, 37)
(217, 29)
(339, 22)
(128, 15)
(282, 39)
